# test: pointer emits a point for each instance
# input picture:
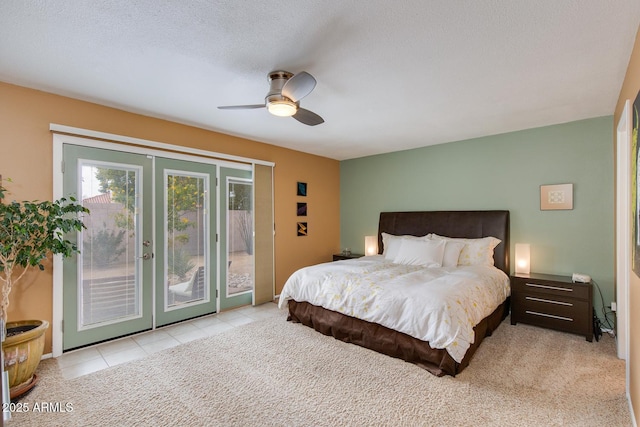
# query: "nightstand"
(338, 257)
(553, 302)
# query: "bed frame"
(464, 224)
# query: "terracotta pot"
(22, 353)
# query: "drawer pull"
(549, 301)
(535, 313)
(555, 288)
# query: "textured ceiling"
(391, 75)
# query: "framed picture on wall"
(556, 197)
(302, 189)
(302, 229)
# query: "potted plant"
(29, 232)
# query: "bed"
(374, 335)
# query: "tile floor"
(101, 356)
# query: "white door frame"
(623, 231)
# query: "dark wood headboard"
(469, 224)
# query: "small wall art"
(556, 197)
(302, 209)
(302, 189)
(302, 229)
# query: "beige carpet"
(275, 373)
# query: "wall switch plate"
(614, 306)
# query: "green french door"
(237, 258)
(148, 255)
(185, 238)
(106, 288)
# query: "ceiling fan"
(286, 91)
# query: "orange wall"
(630, 89)
(26, 157)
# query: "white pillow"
(452, 253)
(391, 247)
(428, 253)
(475, 251)
(391, 244)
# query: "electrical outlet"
(614, 306)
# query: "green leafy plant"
(103, 247)
(29, 231)
(180, 263)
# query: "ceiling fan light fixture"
(283, 98)
(282, 108)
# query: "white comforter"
(438, 305)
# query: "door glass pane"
(186, 241)
(110, 288)
(240, 237)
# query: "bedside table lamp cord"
(597, 323)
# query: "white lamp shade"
(523, 258)
(370, 245)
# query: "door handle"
(146, 256)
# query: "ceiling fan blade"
(308, 117)
(241, 107)
(298, 86)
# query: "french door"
(106, 286)
(149, 255)
(237, 261)
(185, 257)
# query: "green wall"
(501, 172)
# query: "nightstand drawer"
(562, 290)
(562, 310)
(557, 322)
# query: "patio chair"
(190, 290)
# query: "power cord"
(605, 313)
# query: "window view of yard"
(110, 289)
(240, 237)
(186, 237)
